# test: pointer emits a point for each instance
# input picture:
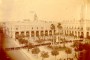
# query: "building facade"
(34, 30)
(77, 28)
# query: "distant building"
(78, 28)
(35, 30)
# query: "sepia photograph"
(44, 29)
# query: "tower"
(83, 19)
(35, 17)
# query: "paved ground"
(15, 54)
(23, 54)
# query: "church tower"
(83, 19)
(35, 17)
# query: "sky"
(49, 10)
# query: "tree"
(21, 41)
(39, 41)
(26, 38)
(21, 38)
(55, 53)
(68, 51)
(85, 55)
(35, 50)
(59, 27)
(76, 54)
(30, 45)
(78, 46)
(63, 41)
(25, 42)
(53, 29)
(44, 55)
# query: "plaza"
(34, 33)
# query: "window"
(32, 27)
(78, 27)
(81, 28)
(16, 28)
(37, 27)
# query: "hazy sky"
(45, 9)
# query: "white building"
(33, 29)
(77, 28)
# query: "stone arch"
(87, 35)
(50, 32)
(16, 35)
(32, 34)
(42, 33)
(22, 35)
(37, 33)
(46, 32)
(82, 35)
(27, 33)
(73, 32)
(78, 34)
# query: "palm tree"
(55, 53)
(53, 29)
(59, 28)
(35, 50)
(63, 40)
(44, 55)
(68, 51)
